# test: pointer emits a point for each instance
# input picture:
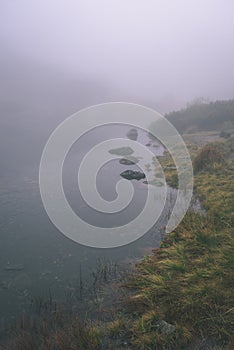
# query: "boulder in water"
(132, 134)
(122, 151)
(129, 161)
(132, 175)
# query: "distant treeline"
(203, 116)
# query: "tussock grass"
(209, 157)
(189, 281)
(54, 328)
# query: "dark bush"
(208, 157)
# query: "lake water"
(36, 260)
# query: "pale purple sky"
(157, 51)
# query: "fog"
(58, 56)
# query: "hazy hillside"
(203, 116)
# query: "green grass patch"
(189, 281)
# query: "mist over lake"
(171, 287)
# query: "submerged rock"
(132, 134)
(131, 160)
(132, 175)
(122, 151)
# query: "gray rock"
(129, 161)
(122, 151)
(132, 175)
(165, 328)
(132, 134)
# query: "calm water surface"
(36, 260)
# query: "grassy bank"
(189, 281)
